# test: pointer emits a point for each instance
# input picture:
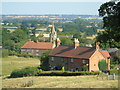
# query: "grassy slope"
(11, 63)
(60, 82)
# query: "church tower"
(53, 34)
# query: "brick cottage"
(75, 57)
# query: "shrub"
(113, 71)
(102, 65)
(45, 60)
(26, 55)
(40, 70)
(5, 53)
(63, 69)
(28, 71)
(60, 73)
(85, 68)
(12, 53)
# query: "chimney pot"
(76, 43)
(58, 42)
(97, 45)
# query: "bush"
(114, 71)
(5, 53)
(12, 53)
(102, 65)
(26, 55)
(60, 73)
(85, 68)
(45, 61)
(28, 71)
(63, 69)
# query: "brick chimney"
(58, 42)
(97, 45)
(76, 43)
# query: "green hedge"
(34, 71)
(52, 73)
(114, 71)
(25, 55)
(28, 71)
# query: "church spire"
(53, 34)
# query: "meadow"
(59, 82)
(11, 63)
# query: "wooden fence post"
(113, 76)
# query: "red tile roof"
(70, 51)
(37, 45)
(105, 54)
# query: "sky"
(36, 7)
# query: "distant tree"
(5, 35)
(66, 41)
(4, 52)
(110, 11)
(34, 31)
(82, 39)
(9, 44)
(24, 28)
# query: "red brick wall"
(94, 60)
(77, 63)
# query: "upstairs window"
(84, 61)
(52, 58)
(71, 60)
(37, 50)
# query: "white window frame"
(37, 54)
(23, 50)
(71, 59)
(52, 58)
(37, 50)
(83, 61)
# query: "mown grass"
(12, 63)
(60, 82)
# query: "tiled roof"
(37, 45)
(70, 51)
(105, 54)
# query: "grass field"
(59, 82)
(11, 63)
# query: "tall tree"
(110, 11)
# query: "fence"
(107, 77)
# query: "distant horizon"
(43, 8)
(49, 14)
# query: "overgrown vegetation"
(33, 71)
(44, 59)
(102, 65)
(110, 11)
(28, 71)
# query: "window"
(37, 50)
(52, 58)
(23, 50)
(84, 61)
(28, 50)
(71, 60)
(37, 53)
